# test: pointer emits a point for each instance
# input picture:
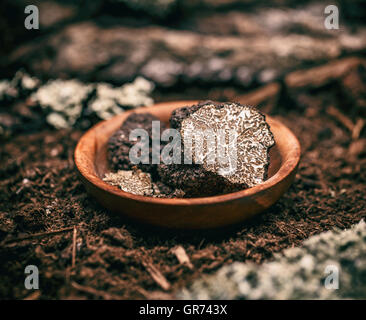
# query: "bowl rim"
(284, 171)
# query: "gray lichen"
(64, 100)
(22, 83)
(297, 273)
(25, 82)
(110, 101)
(7, 91)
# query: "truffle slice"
(228, 146)
(137, 182)
(133, 181)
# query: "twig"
(95, 292)
(182, 256)
(74, 247)
(46, 176)
(358, 128)
(200, 244)
(38, 235)
(322, 179)
(355, 129)
(341, 118)
(157, 276)
(33, 296)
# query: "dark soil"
(116, 258)
(217, 55)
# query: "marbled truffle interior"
(237, 157)
(225, 148)
(240, 141)
(137, 182)
(132, 181)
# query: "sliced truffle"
(132, 181)
(140, 183)
(119, 144)
(234, 142)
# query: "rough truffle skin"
(254, 140)
(119, 144)
(194, 181)
(178, 115)
(118, 155)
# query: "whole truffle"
(234, 141)
(119, 144)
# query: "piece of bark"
(320, 76)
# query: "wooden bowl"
(194, 213)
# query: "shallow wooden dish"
(196, 213)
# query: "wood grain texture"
(195, 213)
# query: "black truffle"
(118, 156)
(119, 144)
(241, 137)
